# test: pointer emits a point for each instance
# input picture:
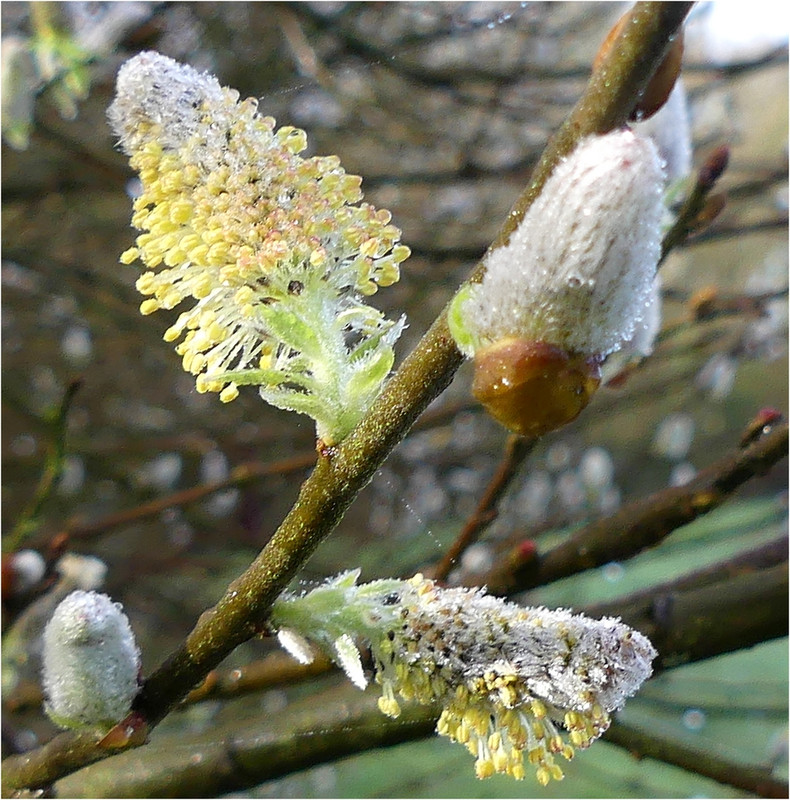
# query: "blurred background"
(443, 109)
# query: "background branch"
(641, 524)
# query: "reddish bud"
(714, 166)
(660, 85)
(533, 387)
(761, 425)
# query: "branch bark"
(641, 524)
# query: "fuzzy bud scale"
(578, 271)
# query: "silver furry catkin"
(91, 662)
(514, 683)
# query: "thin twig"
(641, 524)
(517, 448)
(694, 204)
(53, 466)
(241, 475)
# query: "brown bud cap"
(660, 86)
(531, 387)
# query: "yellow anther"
(537, 755)
(180, 211)
(538, 709)
(484, 768)
(543, 775)
(170, 300)
(146, 283)
(500, 761)
(174, 257)
(172, 333)
(578, 738)
(149, 306)
(202, 288)
(556, 744)
(462, 733)
(369, 248)
(130, 256)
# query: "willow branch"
(643, 523)
(244, 757)
(517, 448)
(339, 476)
(690, 756)
(277, 669)
(241, 475)
(639, 608)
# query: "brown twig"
(241, 475)
(690, 756)
(277, 669)
(517, 448)
(694, 204)
(641, 524)
(639, 607)
(53, 466)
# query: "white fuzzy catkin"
(518, 686)
(670, 129)
(578, 271)
(91, 662)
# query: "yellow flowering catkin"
(519, 687)
(276, 250)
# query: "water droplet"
(694, 719)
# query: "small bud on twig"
(661, 84)
(91, 662)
